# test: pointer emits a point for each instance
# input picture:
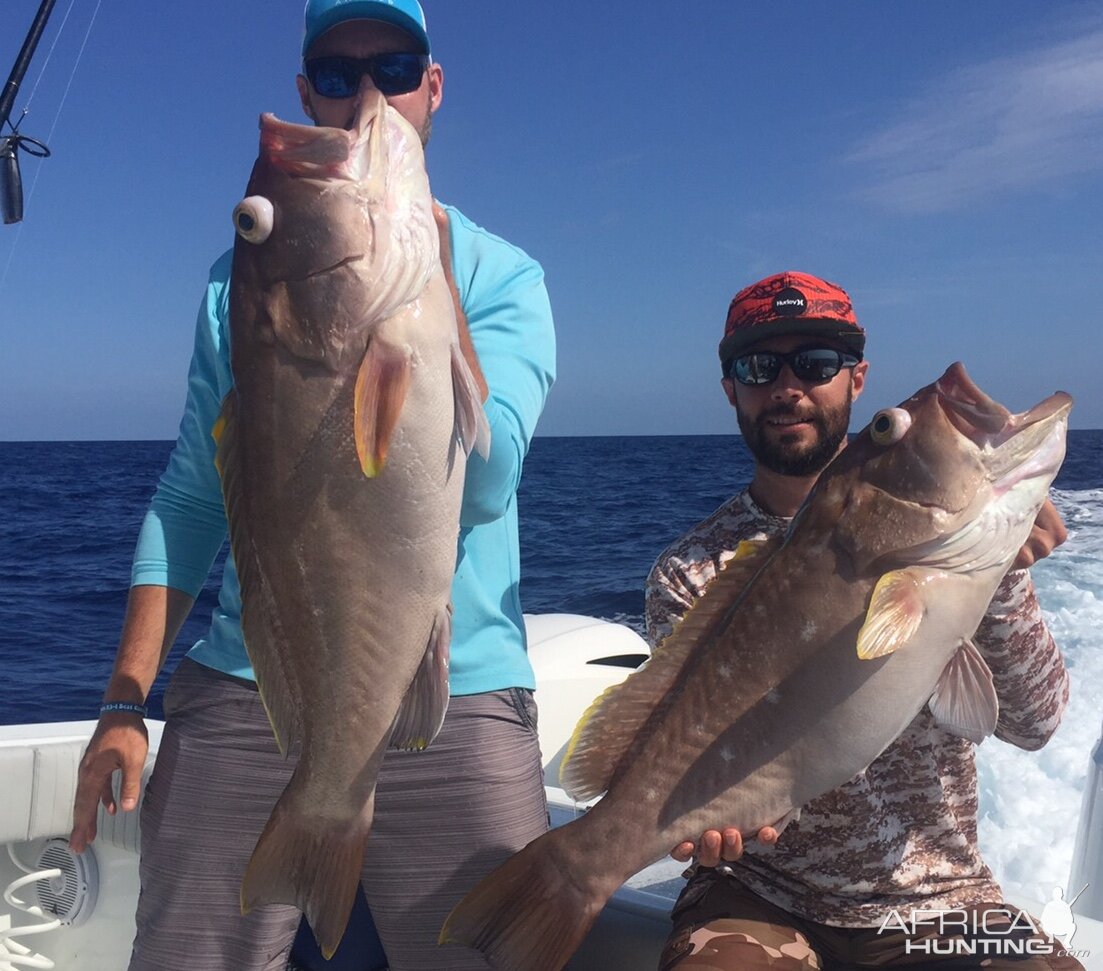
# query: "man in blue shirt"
(443, 818)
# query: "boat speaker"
(70, 897)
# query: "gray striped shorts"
(444, 818)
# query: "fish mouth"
(317, 151)
(1013, 447)
(372, 106)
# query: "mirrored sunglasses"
(812, 364)
(339, 77)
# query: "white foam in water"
(1030, 801)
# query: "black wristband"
(111, 706)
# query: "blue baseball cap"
(321, 15)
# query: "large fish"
(342, 452)
(798, 667)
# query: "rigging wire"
(42, 70)
(53, 126)
(65, 94)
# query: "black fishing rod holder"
(11, 182)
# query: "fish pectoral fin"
(964, 702)
(472, 428)
(381, 387)
(422, 710)
(895, 611)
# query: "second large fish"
(798, 667)
(342, 454)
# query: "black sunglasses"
(339, 77)
(812, 364)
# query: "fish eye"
(253, 218)
(889, 425)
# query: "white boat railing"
(1086, 875)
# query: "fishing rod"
(11, 183)
(1077, 897)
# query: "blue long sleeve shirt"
(503, 295)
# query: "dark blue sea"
(595, 512)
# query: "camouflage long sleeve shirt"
(902, 833)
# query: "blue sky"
(938, 159)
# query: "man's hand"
(715, 846)
(119, 742)
(1048, 533)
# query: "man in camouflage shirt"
(900, 836)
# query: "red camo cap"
(790, 303)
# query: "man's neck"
(780, 495)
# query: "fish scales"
(798, 667)
(342, 453)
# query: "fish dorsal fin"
(964, 702)
(260, 611)
(606, 731)
(381, 387)
(896, 609)
(472, 428)
(422, 710)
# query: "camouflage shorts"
(720, 925)
(723, 945)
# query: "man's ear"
(858, 378)
(729, 389)
(436, 86)
(304, 96)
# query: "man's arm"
(666, 599)
(1029, 674)
(154, 616)
(1027, 668)
(180, 536)
(507, 335)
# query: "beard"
(426, 128)
(793, 457)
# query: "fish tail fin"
(530, 914)
(303, 859)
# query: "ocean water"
(595, 512)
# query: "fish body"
(341, 451)
(799, 666)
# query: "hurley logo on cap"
(790, 302)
